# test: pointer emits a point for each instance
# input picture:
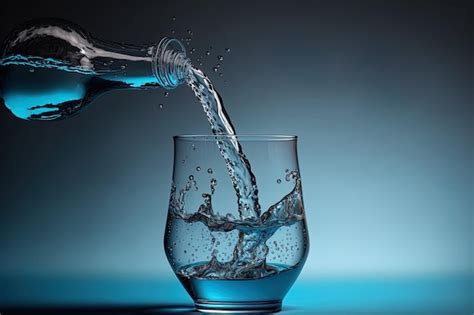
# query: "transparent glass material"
(51, 69)
(229, 264)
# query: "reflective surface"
(133, 295)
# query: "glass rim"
(242, 137)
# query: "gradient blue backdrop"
(379, 93)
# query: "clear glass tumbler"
(227, 262)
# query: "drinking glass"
(228, 262)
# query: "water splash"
(249, 254)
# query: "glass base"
(238, 308)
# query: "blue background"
(379, 93)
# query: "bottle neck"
(142, 67)
(170, 65)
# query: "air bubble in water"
(278, 181)
(198, 168)
(227, 50)
(32, 70)
(215, 69)
(221, 74)
(208, 52)
(209, 170)
(122, 67)
(190, 32)
(161, 106)
(173, 18)
(173, 31)
(191, 177)
(166, 94)
(220, 57)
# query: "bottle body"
(51, 69)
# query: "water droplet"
(213, 185)
(209, 170)
(220, 57)
(215, 69)
(227, 50)
(166, 94)
(279, 181)
(161, 106)
(208, 52)
(32, 70)
(198, 168)
(191, 177)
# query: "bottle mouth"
(170, 65)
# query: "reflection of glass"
(224, 262)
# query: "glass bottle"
(51, 69)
